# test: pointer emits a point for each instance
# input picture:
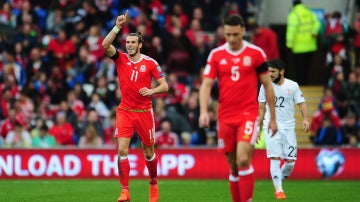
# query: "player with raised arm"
(282, 145)
(237, 65)
(135, 113)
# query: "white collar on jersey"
(227, 48)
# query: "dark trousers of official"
(302, 62)
(357, 56)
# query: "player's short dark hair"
(140, 38)
(234, 20)
(276, 63)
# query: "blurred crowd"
(336, 122)
(59, 89)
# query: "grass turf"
(170, 190)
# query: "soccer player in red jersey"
(134, 113)
(237, 65)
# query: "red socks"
(124, 172)
(234, 188)
(246, 183)
(151, 165)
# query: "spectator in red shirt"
(157, 7)
(62, 130)
(62, 51)
(165, 138)
(5, 99)
(178, 92)
(26, 106)
(76, 104)
(327, 111)
(196, 31)
(266, 39)
(110, 130)
(5, 14)
(94, 41)
(176, 19)
(9, 123)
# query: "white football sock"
(286, 169)
(276, 174)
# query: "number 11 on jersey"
(134, 75)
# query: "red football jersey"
(237, 77)
(133, 76)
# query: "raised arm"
(110, 50)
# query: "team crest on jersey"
(223, 62)
(247, 61)
(116, 131)
(236, 60)
(129, 63)
(288, 91)
(142, 68)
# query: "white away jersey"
(287, 95)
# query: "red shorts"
(127, 122)
(240, 130)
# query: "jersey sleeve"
(116, 56)
(156, 71)
(298, 95)
(261, 65)
(262, 97)
(210, 70)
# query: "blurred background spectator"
(90, 139)
(62, 130)
(19, 137)
(43, 139)
(165, 137)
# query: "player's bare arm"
(110, 50)
(161, 88)
(270, 99)
(304, 113)
(262, 110)
(204, 97)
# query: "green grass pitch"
(170, 190)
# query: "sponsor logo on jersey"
(158, 68)
(236, 60)
(223, 62)
(247, 61)
(142, 68)
(116, 131)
